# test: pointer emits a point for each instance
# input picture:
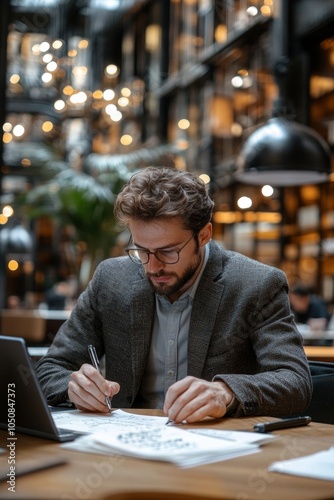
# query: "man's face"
(299, 303)
(170, 279)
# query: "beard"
(181, 281)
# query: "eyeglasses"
(142, 255)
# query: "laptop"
(23, 407)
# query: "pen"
(286, 423)
(96, 364)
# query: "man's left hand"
(192, 399)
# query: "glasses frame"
(148, 253)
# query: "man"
(306, 306)
(310, 312)
(184, 325)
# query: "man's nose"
(154, 265)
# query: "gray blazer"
(241, 330)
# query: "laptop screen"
(23, 406)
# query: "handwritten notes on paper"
(169, 444)
(148, 437)
(99, 422)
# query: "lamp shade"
(284, 153)
(17, 240)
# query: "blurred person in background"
(307, 306)
(13, 302)
(60, 296)
(310, 310)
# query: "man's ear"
(205, 234)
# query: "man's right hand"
(88, 390)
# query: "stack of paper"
(166, 443)
(139, 436)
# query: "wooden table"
(101, 477)
(319, 353)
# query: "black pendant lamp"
(283, 152)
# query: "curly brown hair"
(163, 193)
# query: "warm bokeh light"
(79, 98)
(68, 90)
(227, 217)
(47, 58)
(35, 49)
(267, 190)
(72, 53)
(126, 140)
(126, 92)
(52, 66)
(153, 37)
(3, 219)
(236, 129)
(183, 124)
(57, 44)
(44, 46)
(59, 105)
(270, 217)
(108, 94)
(123, 101)
(205, 178)
(13, 265)
(25, 162)
(80, 71)
(7, 138)
(83, 44)
(182, 143)
(230, 217)
(47, 126)
(98, 94)
(7, 211)
(14, 78)
(266, 11)
(221, 33)
(116, 116)
(110, 109)
(7, 127)
(46, 77)
(252, 10)
(18, 130)
(112, 70)
(244, 202)
(28, 267)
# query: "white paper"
(148, 437)
(163, 443)
(317, 466)
(88, 422)
(237, 436)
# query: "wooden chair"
(27, 324)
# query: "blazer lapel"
(206, 303)
(142, 316)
